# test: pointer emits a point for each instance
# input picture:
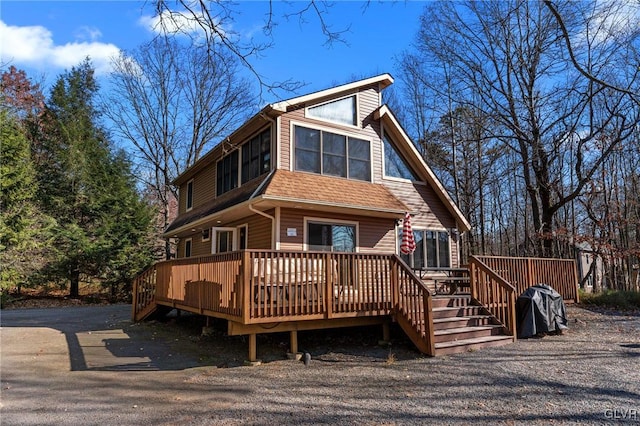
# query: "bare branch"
(582, 70)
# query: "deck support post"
(253, 359)
(294, 341)
(253, 350)
(386, 333)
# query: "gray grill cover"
(540, 309)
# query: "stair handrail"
(410, 313)
(494, 293)
(143, 290)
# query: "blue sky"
(46, 37)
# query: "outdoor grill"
(540, 310)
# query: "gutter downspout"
(274, 127)
(251, 208)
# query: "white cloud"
(611, 20)
(88, 33)
(34, 46)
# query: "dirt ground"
(92, 365)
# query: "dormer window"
(342, 111)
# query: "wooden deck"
(261, 291)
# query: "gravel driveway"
(91, 365)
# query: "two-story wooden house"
(294, 222)
(332, 170)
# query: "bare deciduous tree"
(172, 102)
(509, 61)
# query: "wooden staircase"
(459, 326)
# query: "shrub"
(612, 299)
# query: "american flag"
(408, 244)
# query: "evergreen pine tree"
(102, 223)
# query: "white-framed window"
(224, 240)
(188, 243)
(331, 235)
(341, 111)
(433, 249)
(329, 153)
(206, 234)
(189, 200)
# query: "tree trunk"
(74, 287)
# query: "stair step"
(465, 345)
(466, 321)
(465, 333)
(450, 301)
(456, 311)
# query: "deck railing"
(413, 306)
(207, 284)
(316, 285)
(268, 286)
(144, 288)
(494, 293)
(523, 272)
(259, 286)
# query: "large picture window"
(227, 173)
(432, 250)
(343, 111)
(335, 237)
(394, 164)
(256, 156)
(328, 153)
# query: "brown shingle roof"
(319, 189)
(229, 199)
(299, 187)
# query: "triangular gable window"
(394, 164)
(342, 111)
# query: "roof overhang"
(267, 201)
(219, 218)
(383, 80)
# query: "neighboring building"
(590, 267)
(329, 171)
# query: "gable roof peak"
(383, 80)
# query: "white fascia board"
(329, 204)
(384, 79)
